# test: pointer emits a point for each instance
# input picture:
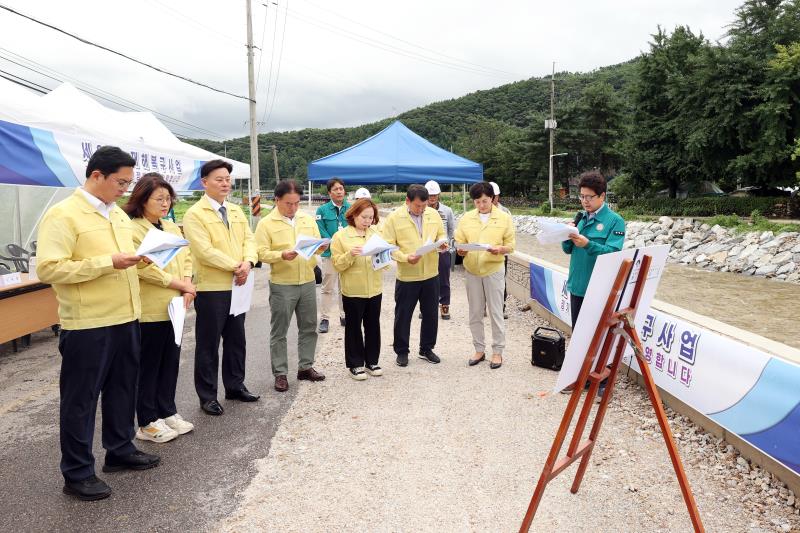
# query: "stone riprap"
(695, 243)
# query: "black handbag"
(317, 275)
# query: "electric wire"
(120, 54)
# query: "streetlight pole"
(255, 186)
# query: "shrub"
(708, 206)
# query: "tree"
(656, 152)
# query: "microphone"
(578, 218)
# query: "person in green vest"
(600, 231)
(330, 219)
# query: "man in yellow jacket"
(410, 227)
(223, 250)
(86, 252)
(292, 290)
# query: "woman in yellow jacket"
(485, 275)
(361, 287)
(158, 417)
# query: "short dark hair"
(417, 192)
(356, 209)
(214, 164)
(334, 181)
(482, 188)
(108, 160)
(594, 180)
(285, 187)
(144, 188)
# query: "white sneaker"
(177, 423)
(156, 431)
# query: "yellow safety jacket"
(274, 235)
(153, 281)
(401, 231)
(216, 250)
(497, 231)
(74, 249)
(357, 278)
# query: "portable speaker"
(547, 348)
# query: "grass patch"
(757, 222)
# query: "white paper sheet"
(242, 295)
(307, 246)
(473, 247)
(554, 232)
(429, 247)
(376, 245)
(382, 260)
(161, 246)
(177, 315)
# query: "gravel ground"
(452, 448)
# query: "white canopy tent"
(45, 142)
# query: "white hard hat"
(495, 188)
(361, 192)
(433, 187)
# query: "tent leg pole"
(464, 196)
(309, 193)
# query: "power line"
(211, 30)
(499, 71)
(23, 83)
(101, 47)
(369, 41)
(278, 73)
(116, 99)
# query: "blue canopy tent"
(395, 155)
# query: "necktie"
(224, 213)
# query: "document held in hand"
(473, 247)
(307, 246)
(554, 232)
(161, 247)
(177, 315)
(242, 295)
(380, 250)
(429, 247)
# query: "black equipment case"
(547, 348)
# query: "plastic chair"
(4, 269)
(15, 250)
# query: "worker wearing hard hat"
(445, 258)
(361, 192)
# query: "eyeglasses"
(587, 197)
(123, 184)
(166, 200)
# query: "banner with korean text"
(745, 390)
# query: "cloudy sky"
(321, 63)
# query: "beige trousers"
(486, 293)
(330, 289)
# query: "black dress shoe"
(243, 395)
(323, 326)
(137, 460)
(212, 407)
(495, 366)
(402, 360)
(88, 489)
(341, 321)
(473, 362)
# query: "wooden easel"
(612, 325)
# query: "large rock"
(719, 257)
(767, 235)
(764, 260)
(701, 258)
(688, 245)
(766, 270)
(736, 250)
(748, 251)
(666, 222)
(640, 242)
(781, 258)
(788, 268)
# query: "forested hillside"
(684, 112)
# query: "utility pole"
(552, 127)
(275, 162)
(255, 188)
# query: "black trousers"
(361, 349)
(575, 303)
(214, 321)
(94, 361)
(444, 278)
(406, 296)
(158, 372)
